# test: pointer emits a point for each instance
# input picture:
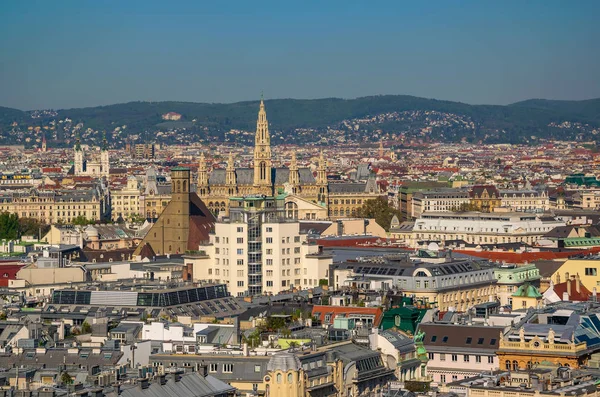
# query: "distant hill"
(587, 109)
(326, 120)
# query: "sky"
(64, 54)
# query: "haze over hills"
(316, 120)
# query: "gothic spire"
(77, 141)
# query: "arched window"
(515, 365)
(508, 365)
(279, 378)
(185, 189)
(290, 378)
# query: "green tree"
(81, 220)
(9, 226)
(86, 328)
(66, 378)
(380, 210)
(32, 227)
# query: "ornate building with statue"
(307, 193)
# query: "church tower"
(202, 177)
(104, 157)
(230, 179)
(294, 179)
(44, 146)
(262, 153)
(78, 163)
(322, 179)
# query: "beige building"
(588, 271)
(525, 200)
(125, 203)
(55, 206)
(257, 250)
(216, 186)
(478, 228)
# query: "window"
(480, 341)
(490, 359)
(290, 378)
(469, 339)
(455, 357)
(269, 239)
(454, 378)
(466, 358)
(269, 251)
(213, 368)
(443, 378)
(442, 357)
(591, 271)
(477, 359)
(296, 239)
(227, 368)
(269, 262)
(257, 368)
(445, 339)
(240, 262)
(492, 342)
(269, 283)
(269, 229)
(433, 338)
(431, 356)
(240, 283)
(240, 240)
(240, 251)
(240, 230)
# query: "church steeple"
(104, 157)
(322, 179)
(104, 141)
(294, 178)
(202, 176)
(230, 175)
(262, 149)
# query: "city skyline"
(78, 55)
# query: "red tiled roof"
(9, 272)
(335, 311)
(581, 296)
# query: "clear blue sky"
(60, 54)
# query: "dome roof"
(284, 362)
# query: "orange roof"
(581, 296)
(335, 311)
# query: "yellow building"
(587, 269)
(55, 206)
(125, 203)
(485, 198)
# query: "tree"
(464, 207)
(32, 227)
(86, 328)
(66, 378)
(81, 220)
(380, 210)
(9, 226)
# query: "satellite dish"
(433, 247)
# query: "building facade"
(258, 249)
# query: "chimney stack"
(578, 283)
(568, 286)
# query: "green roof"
(180, 169)
(581, 241)
(527, 291)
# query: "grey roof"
(284, 362)
(347, 187)
(245, 176)
(189, 385)
(400, 341)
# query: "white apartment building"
(439, 200)
(480, 228)
(258, 250)
(525, 200)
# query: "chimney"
(567, 276)
(569, 286)
(565, 296)
(557, 278)
(144, 384)
(578, 283)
